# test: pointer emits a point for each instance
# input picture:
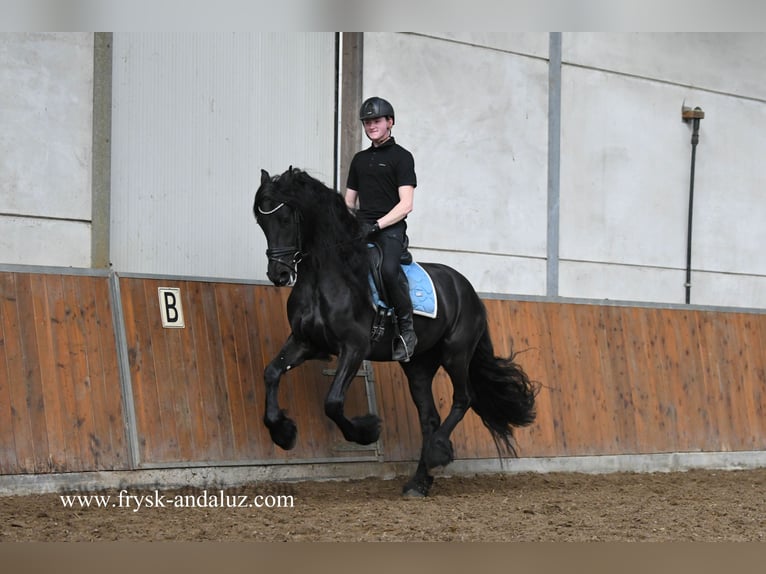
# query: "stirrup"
(399, 350)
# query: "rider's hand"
(369, 230)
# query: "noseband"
(277, 254)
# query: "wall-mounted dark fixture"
(694, 116)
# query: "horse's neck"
(332, 279)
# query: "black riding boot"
(404, 343)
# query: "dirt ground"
(701, 506)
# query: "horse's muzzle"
(281, 274)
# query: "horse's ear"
(264, 176)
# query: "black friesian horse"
(313, 244)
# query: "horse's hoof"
(283, 432)
(439, 453)
(366, 429)
(417, 488)
(412, 493)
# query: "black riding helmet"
(376, 108)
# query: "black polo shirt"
(376, 174)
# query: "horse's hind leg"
(282, 428)
(420, 372)
(439, 451)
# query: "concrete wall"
(607, 221)
(195, 119)
(625, 167)
(473, 108)
(46, 85)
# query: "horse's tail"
(501, 392)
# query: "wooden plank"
(619, 380)
(31, 382)
(174, 381)
(78, 365)
(54, 417)
(151, 433)
(203, 402)
(530, 341)
(161, 382)
(108, 443)
(9, 453)
(230, 368)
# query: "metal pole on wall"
(693, 115)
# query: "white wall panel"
(624, 170)
(731, 63)
(33, 241)
(588, 280)
(475, 118)
(196, 117)
(46, 99)
(625, 167)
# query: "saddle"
(422, 291)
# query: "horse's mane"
(330, 231)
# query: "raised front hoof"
(439, 453)
(283, 431)
(366, 429)
(417, 488)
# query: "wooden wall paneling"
(619, 380)
(32, 382)
(401, 437)
(230, 368)
(173, 381)
(84, 424)
(8, 458)
(531, 340)
(150, 434)
(734, 391)
(19, 421)
(627, 372)
(562, 383)
(754, 378)
(246, 333)
(663, 422)
(680, 384)
(708, 344)
(650, 433)
(109, 445)
(203, 439)
(757, 346)
(60, 313)
(569, 382)
(59, 377)
(45, 369)
(593, 348)
(205, 404)
(216, 384)
(754, 436)
(547, 428)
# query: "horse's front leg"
(361, 430)
(282, 428)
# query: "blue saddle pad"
(422, 291)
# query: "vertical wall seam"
(554, 164)
(101, 167)
(123, 363)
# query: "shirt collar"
(389, 142)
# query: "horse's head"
(280, 223)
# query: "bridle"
(277, 254)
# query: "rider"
(381, 179)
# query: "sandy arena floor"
(692, 506)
